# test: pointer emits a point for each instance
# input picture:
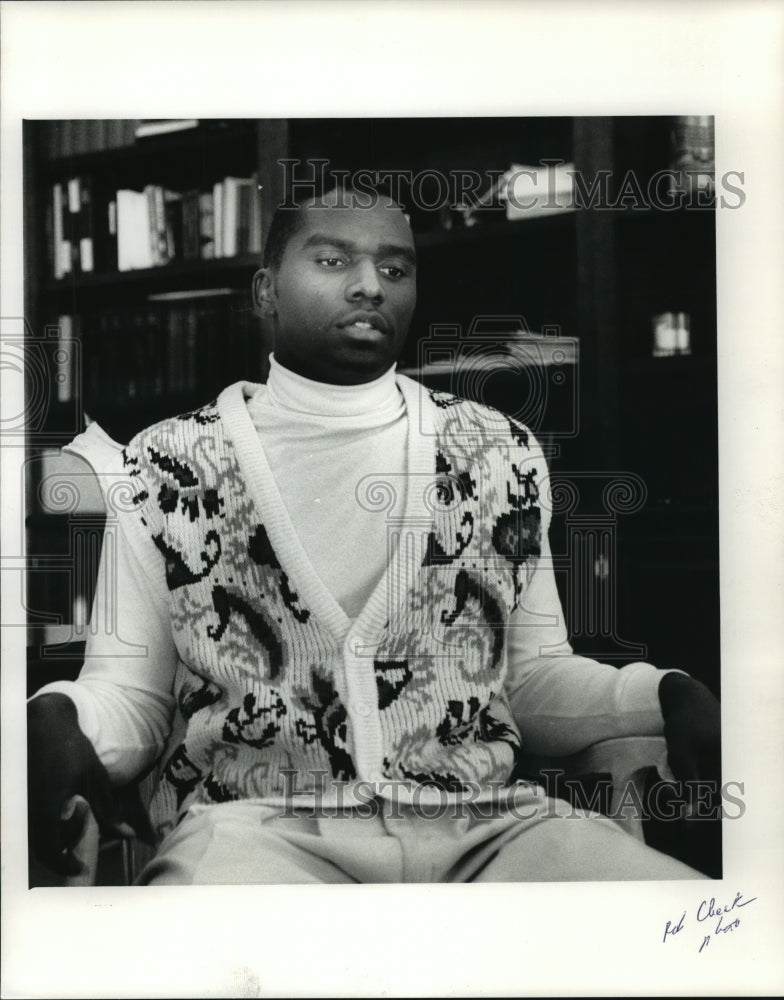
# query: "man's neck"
(287, 390)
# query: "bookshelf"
(159, 340)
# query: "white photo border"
(241, 59)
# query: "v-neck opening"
(284, 539)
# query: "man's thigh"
(235, 845)
(562, 844)
(248, 843)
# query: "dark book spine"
(191, 349)
(243, 218)
(154, 351)
(192, 237)
(110, 224)
(173, 216)
(207, 224)
(73, 224)
(114, 133)
(175, 350)
(67, 249)
(86, 239)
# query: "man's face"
(344, 294)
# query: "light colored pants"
(252, 843)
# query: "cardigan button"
(363, 709)
(359, 645)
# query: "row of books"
(128, 230)
(129, 355)
(70, 137)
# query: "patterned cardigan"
(272, 676)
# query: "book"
(229, 216)
(147, 127)
(57, 230)
(217, 195)
(175, 352)
(63, 230)
(72, 221)
(244, 213)
(172, 206)
(117, 359)
(191, 366)
(81, 135)
(86, 246)
(115, 135)
(110, 232)
(96, 135)
(95, 330)
(134, 248)
(155, 358)
(236, 210)
(207, 225)
(255, 216)
(191, 249)
(156, 225)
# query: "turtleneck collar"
(285, 390)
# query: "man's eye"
(393, 271)
(330, 262)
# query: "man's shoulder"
(459, 415)
(175, 434)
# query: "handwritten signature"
(715, 917)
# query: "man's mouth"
(363, 323)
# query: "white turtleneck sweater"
(321, 441)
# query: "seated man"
(336, 604)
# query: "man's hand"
(692, 728)
(61, 763)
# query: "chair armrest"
(135, 852)
(86, 848)
(625, 755)
(627, 759)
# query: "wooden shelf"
(151, 148)
(175, 276)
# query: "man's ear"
(264, 292)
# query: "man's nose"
(364, 282)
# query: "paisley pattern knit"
(266, 683)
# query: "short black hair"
(285, 222)
(287, 219)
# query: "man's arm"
(106, 727)
(563, 702)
